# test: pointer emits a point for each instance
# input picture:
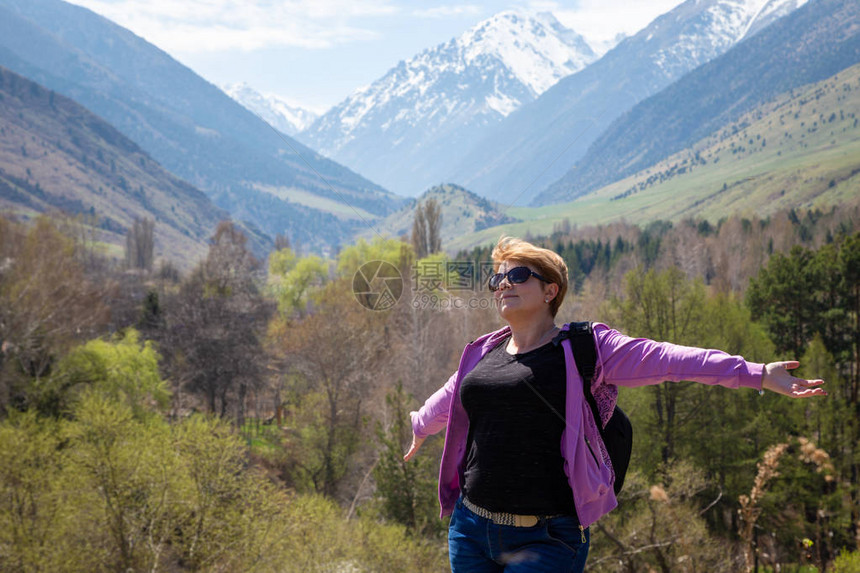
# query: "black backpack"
(617, 435)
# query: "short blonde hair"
(547, 263)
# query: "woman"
(517, 501)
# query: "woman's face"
(526, 299)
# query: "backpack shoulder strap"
(617, 434)
(584, 352)
(581, 336)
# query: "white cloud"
(197, 26)
(191, 26)
(448, 11)
(544, 6)
(600, 21)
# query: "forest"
(251, 415)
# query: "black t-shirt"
(516, 405)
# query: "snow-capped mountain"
(600, 47)
(815, 42)
(426, 111)
(538, 143)
(281, 115)
(716, 26)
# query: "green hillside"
(815, 42)
(800, 150)
(56, 155)
(462, 212)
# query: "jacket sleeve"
(626, 361)
(433, 415)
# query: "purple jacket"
(621, 361)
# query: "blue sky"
(316, 52)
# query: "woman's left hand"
(776, 378)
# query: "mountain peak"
(805, 47)
(284, 116)
(534, 46)
(427, 107)
(585, 103)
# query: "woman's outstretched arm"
(626, 361)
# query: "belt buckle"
(502, 518)
(525, 520)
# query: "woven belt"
(501, 518)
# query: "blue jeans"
(477, 545)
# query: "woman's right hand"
(775, 377)
(416, 444)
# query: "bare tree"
(281, 242)
(334, 357)
(140, 244)
(47, 304)
(419, 233)
(433, 220)
(215, 325)
(427, 229)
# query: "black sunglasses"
(515, 276)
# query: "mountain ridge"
(274, 110)
(811, 44)
(419, 115)
(799, 150)
(56, 155)
(187, 124)
(461, 210)
(537, 144)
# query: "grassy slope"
(784, 154)
(54, 154)
(340, 210)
